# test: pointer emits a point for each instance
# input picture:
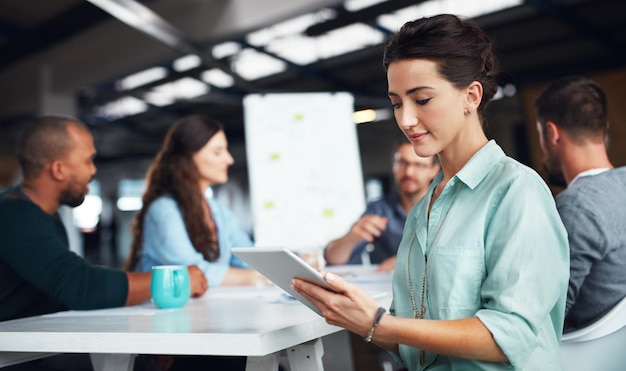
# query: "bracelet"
(379, 315)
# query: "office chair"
(599, 346)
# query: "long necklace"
(422, 310)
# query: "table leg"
(307, 356)
(268, 362)
(112, 362)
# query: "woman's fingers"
(348, 308)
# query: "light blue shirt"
(501, 255)
(165, 240)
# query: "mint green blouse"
(497, 250)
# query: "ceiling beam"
(365, 15)
(569, 17)
(23, 36)
(145, 20)
(311, 71)
(22, 42)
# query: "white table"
(244, 321)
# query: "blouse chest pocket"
(455, 276)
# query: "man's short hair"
(44, 140)
(575, 104)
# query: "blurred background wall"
(130, 79)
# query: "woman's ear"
(473, 96)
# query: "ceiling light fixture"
(371, 115)
(145, 20)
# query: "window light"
(371, 115)
(290, 27)
(363, 116)
(509, 90)
(347, 39)
(218, 78)
(122, 107)
(141, 78)
(130, 192)
(225, 49)
(129, 203)
(252, 65)
(185, 88)
(298, 49)
(302, 50)
(158, 97)
(355, 5)
(187, 62)
(469, 9)
(87, 215)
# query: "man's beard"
(71, 197)
(413, 192)
(552, 167)
(555, 176)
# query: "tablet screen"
(281, 265)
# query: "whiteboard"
(304, 166)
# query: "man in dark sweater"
(573, 125)
(382, 223)
(38, 272)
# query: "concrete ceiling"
(66, 54)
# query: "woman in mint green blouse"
(482, 269)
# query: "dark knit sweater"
(38, 272)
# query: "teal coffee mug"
(170, 286)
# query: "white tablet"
(280, 265)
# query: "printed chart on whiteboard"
(306, 182)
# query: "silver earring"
(467, 112)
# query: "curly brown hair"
(174, 173)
